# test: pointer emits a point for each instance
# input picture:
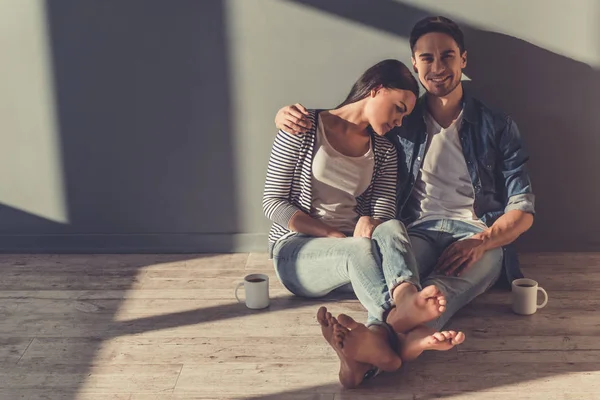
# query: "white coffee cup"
(524, 296)
(256, 287)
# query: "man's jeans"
(429, 239)
(313, 267)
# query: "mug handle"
(239, 285)
(545, 298)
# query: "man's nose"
(437, 66)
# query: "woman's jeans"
(313, 267)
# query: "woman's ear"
(376, 90)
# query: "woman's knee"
(392, 228)
(359, 247)
(299, 283)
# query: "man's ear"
(414, 63)
(463, 61)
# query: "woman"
(329, 193)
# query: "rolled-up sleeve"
(519, 192)
(523, 202)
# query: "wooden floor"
(150, 327)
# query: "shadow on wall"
(554, 100)
(551, 97)
(144, 109)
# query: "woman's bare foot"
(424, 338)
(414, 308)
(367, 345)
(352, 372)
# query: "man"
(463, 189)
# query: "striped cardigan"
(288, 187)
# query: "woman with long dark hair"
(331, 194)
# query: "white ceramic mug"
(256, 287)
(524, 296)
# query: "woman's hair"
(390, 74)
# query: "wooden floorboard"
(150, 327)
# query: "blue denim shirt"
(495, 158)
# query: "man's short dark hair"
(437, 24)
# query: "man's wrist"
(485, 238)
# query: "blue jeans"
(429, 239)
(313, 267)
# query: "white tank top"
(337, 180)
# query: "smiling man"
(463, 188)
(464, 191)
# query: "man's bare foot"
(351, 372)
(414, 308)
(368, 345)
(424, 338)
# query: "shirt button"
(419, 158)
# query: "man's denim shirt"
(495, 158)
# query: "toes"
(331, 319)
(347, 322)
(442, 309)
(460, 337)
(321, 316)
(339, 336)
(446, 335)
(442, 301)
(342, 328)
(430, 291)
(438, 336)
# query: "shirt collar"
(469, 111)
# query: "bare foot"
(414, 308)
(424, 338)
(351, 372)
(368, 345)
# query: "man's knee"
(492, 259)
(488, 268)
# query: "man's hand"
(459, 256)
(293, 119)
(365, 227)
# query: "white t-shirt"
(443, 189)
(337, 180)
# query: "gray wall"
(146, 125)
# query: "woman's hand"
(365, 227)
(293, 119)
(336, 234)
